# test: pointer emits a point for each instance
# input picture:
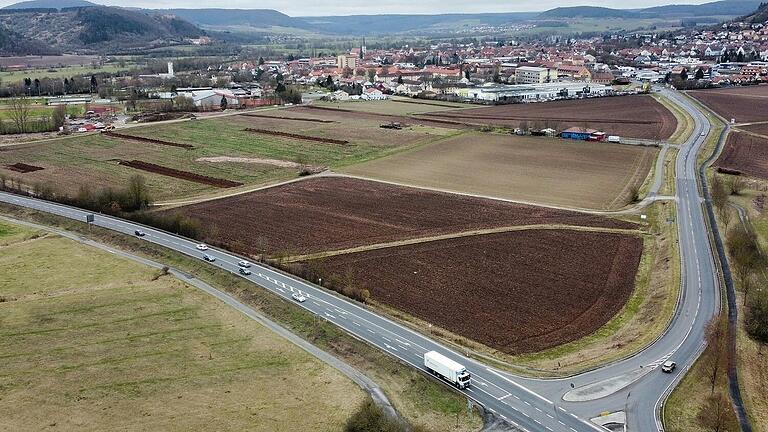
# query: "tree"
(183, 103)
(223, 104)
(684, 75)
(714, 413)
(745, 256)
(715, 358)
(329, 81)
(756, 319)
(372, 75)
(138, 193)
(59, 116)
(399, 79)
(19, 113)
(737, 185)
(261, 61)
(94, 83)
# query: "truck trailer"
(449, 370)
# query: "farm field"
(62, 72)
(333, 213)
(516, 292)
(395, 106)
(745, 153)
(638, 116)
(534, 169)
(340, 112)
(221, 149)
(743, 104)
(108, 341)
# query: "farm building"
(582, 134)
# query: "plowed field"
(331, 213)
(745, 153)
(531, 169)
(743, 104)
(516, 292)
(632, 116)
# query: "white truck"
(449, 370)
(614, 139)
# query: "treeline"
(311, 271)
(130, 202)
(747, 261)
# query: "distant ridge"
(50, 4)
(716, 8)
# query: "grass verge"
(106, 341)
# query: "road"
(634, 384)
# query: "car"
(244, 264)
(140, 233)
(209, 258)
(668, 366)
(299, 297)
(202, 246)
(244, 271)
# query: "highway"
(634, 384)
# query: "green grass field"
(72, 162)
(105, 343)
(63, 72)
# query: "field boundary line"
(462, 234)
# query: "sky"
(369, 7)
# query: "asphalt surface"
(525, 403)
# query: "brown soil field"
(23, 168)
(633, 116)
(534, 169)
(332, 213)
(745, 153)
(516, 292)
(334, 113)
(148, 140)
(297, 136)
(744, 104)
(184, 175)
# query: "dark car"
(140, 233)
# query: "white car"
(202, 246)
(299, 297)
(244, 264)
(209, 258)
(668, 366)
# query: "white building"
(535, 92)
(534, 75)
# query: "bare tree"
(713, 415)
(19, 113)
(715, 358)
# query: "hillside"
(98, 29)
(713, 9)
(50, 4)
(12, 44)
(758, 16)
(234, 17)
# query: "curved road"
(527, 404)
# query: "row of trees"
(747, 260)
(130, 201)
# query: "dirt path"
(461, 234)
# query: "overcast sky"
(373, 7)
